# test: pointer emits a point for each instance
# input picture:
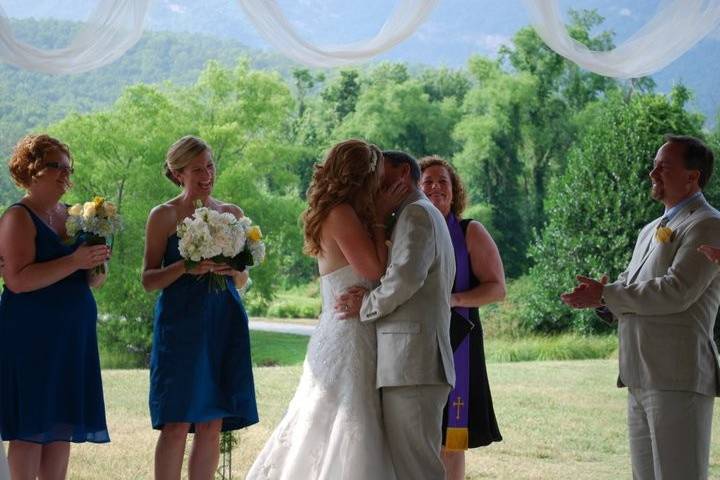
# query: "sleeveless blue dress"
(200, 365)
(50, 384)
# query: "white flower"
(76, 210)
(89, 210)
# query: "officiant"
(469, 419)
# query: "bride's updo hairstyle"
(349, 174)
(181, 153)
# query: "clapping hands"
(587, 294)
(712, 253)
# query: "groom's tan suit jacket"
(666, 302)
(411, 306)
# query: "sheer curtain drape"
(110, 31)
(116, 25)
(676, 27)
(274, 27)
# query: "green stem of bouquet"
(227, 443)
(97, 240)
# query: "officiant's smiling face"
(671, 180)
(198, 176)
(437, 185)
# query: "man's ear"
(694, 176)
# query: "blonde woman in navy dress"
(50, 385)
(200, 368)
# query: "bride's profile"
(332, 428)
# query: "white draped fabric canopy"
(676, 27)
(116, 25)
(275, 28)
(110, 31)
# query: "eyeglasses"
(59, 166)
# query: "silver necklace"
(49, 216)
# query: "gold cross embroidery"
(458, 404)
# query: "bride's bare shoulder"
(341, 212)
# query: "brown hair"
(696, 156)
(459, 200)
(28, 157)
(349, 174)
(181, 153)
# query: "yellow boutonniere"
(255, 234)
(664, 234)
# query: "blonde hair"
(181, 153)
(349, 174)
(28, 157)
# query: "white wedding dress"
(4, 471)
(332, 429)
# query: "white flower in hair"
(373, 163)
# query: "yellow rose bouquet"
(94, 222)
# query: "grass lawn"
(560, 420)
(271, 349)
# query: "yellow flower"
(89, 210)
(254, 234)
(76, 210)
(664, 234)
(110, 209)
(98, 201)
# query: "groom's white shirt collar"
(671, 212)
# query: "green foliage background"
(555, 159)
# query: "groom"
(411, 311)
(665, 304)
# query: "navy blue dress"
(50, 384)
(200, 365)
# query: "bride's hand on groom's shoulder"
(348, 304)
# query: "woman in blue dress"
(200, 368)
(50, 385)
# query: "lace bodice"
(333, 425)
(342, 352)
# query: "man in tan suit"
(411, 311)
(665, 305)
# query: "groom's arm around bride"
(411, 311)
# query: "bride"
(332, 428)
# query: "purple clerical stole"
(459, 400)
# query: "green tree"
(561, 91)
(119, 153)
(598, 205)
(402, 116)
(490, 132)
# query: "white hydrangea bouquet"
(95, 222)
(221, 237)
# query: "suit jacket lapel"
(678, 219)
(647, 246)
